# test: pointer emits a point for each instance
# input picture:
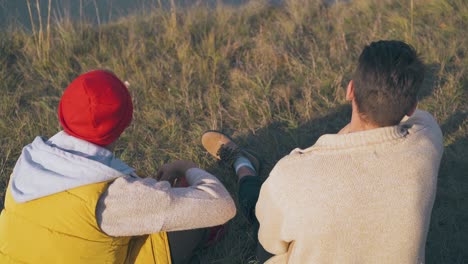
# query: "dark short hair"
(386, 81)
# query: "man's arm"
(271, 218)
(134, 206)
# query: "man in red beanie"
(70, 200)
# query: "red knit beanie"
(96, 107)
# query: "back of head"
(96, 107)
(386, 82)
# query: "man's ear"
(412, 110)
(350, 91)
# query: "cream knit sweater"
(134, 206)
(363, 197)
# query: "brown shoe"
(224, 149)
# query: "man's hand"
(172, 171)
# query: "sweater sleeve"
(420, 118)
(271, 217)
(134, 206)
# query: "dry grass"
(272, 77)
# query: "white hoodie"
(63, 162)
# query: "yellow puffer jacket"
(62, 228)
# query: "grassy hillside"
(274, 78)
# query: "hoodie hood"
(63, 162)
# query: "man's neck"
(360, 125)
(357, 124)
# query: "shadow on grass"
(447, 238)
(280, 138)
(453, 122)
(429, 82)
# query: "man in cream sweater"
(363, 195)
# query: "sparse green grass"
(273, 78)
